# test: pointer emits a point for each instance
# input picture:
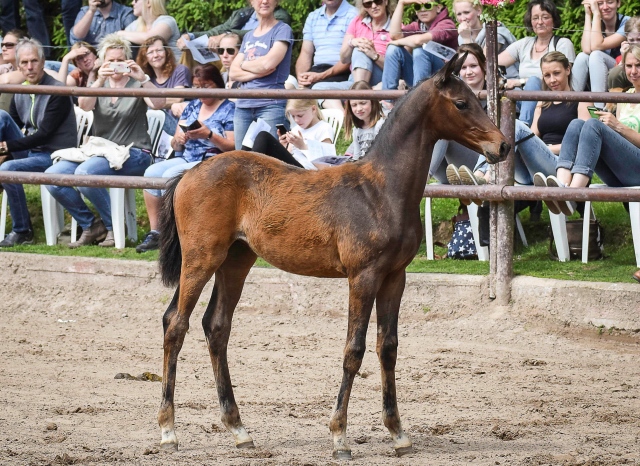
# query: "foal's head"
(459, 115)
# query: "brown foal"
(359, 220)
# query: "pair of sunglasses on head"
(416, 6)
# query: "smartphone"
(195, 125)
(119, 67)
(592, 111)
(282, 129)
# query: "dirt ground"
(479, 386)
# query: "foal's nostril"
(504, 150)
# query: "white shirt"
(318, 132)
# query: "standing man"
(10, 19)
(100, 18)
(49, 123)
(322, 35)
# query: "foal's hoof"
(169, 447)
(342, 454)
(404, 451)
(248, 444)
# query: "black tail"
(170, 251)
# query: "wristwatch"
(522, 82)
(210, 134)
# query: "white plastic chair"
(634, 213)
(335, 118)
(155, 120)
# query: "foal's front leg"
(362, 291)
(387, 309)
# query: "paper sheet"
(254, 128)
(200, 51)
(439, 50)
(164, 146)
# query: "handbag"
(462, 245)
(574, 237)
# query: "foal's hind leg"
(362, 291)
(216, 323)
(387, 309)
(193, 278)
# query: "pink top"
(362, 28)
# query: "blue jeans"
(70, 198)
(34, 162)
(527, 109)
(398, 63)
(591, 145)
(10, 19)
(358, 60)
(532, 156)
(594, 68)
(158, 170)
(243, 117)
(70, 10)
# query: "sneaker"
(540, 180)
(151, 242)
(15, 238)
(467, 177)
(566, 207)
(96, 232)
(453, 177)
(109, 241)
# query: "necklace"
(536, 48)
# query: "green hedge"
(195, 15)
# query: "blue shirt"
(620, 23)
(119, 18)
(196, 150)
(327, 33)
(258, 46)
(252, 23)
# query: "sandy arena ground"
(476, 386)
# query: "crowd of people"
(369, 45)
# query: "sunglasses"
(8, 45)
(230, 50)
(424, 6)
(370, 4)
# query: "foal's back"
(301, 221)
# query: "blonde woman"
(152, 21)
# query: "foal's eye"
(461, 104)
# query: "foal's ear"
(442, 76)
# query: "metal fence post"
(505, 210)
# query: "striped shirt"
(327, 33)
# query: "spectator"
(227, 51)
(10, 20)
(433, 24)
(213, 137)
(537, 148)
(323, 34)
(471, 29)
(157, 61)
(617, 76)
(49, 123)
(241, 21)
(8, 45)
(263, 63)
(70, 10)
(92, 28)
(608, 145)
(363, 120)
(541, 18)
(292, 146)
(472, 72)
(152, 21)
(601, 39)
(120, 120)
(85, 58)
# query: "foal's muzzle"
(503, 151)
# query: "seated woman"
(227, 51)
(364, 46)
(599, 47)
(541, 18)
(85, 58)
(362, 120)
(537, 148)
(292, 147)
(152, 21)
(608, 145)
(433, 24)
(472, 72)
(617, 76)
(215, 135)
(264, 62)
(157, 61)
(121, 120)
